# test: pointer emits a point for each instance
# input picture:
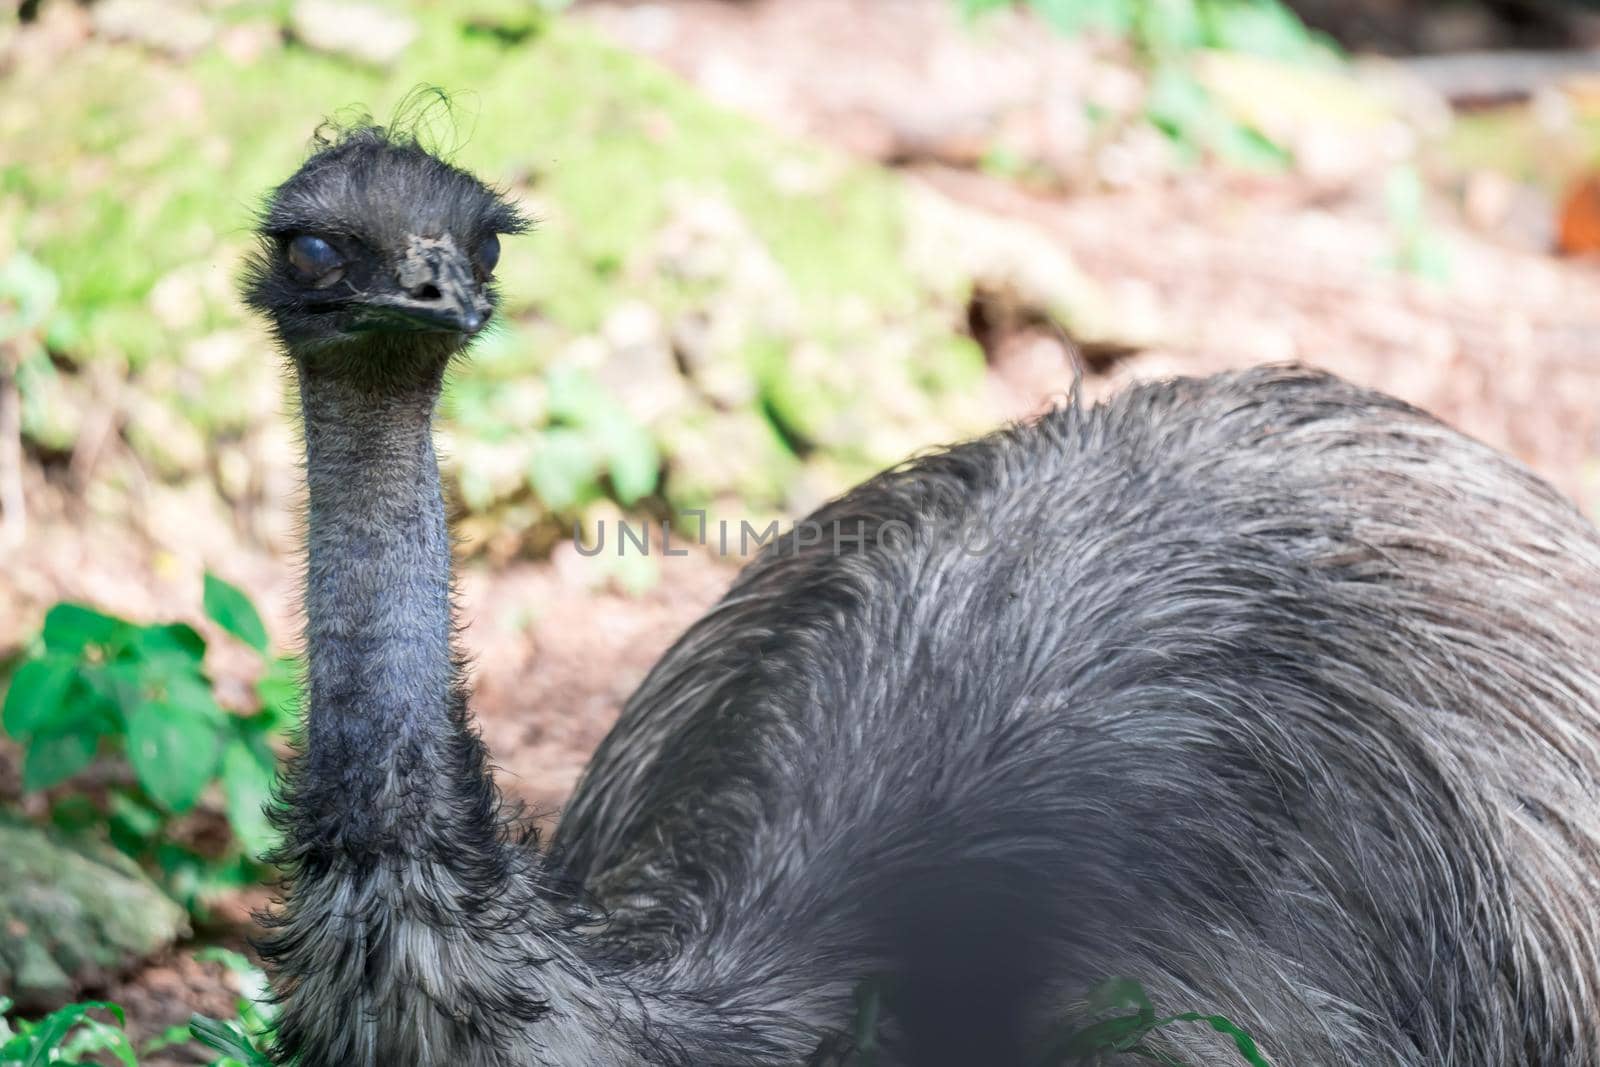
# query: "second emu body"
(1264, 690)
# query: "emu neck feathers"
(382, 673)
(411, 907)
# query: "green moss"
(128, 170)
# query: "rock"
(711, 344)
(734, 297)
(232, 385)
(169, 26)
(161, 433)
(356, 31)
(641, 371)
(73, 916)
(246, 42)
(491, 470)
(954, 246)
(726, 455)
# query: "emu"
(1267, 691)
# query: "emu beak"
(436, 289)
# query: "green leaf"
(72, 628)
(1127, 1033)
(575, 397)
(57, 753)
(93, 1036)
(279, 690)
(217, 878)
(170, 1037)
(132, 819)
(1179, 105)
(118, 685)
(1168, 27)
(191, 693)
(1223, 1025)
(635, 463)
(133, 824)
(971, 9)
(75, 814)
(247, 787)
(183, 873)
(229, 608)
(47, 1035)
(1247, 147)
(173, 750)
(591, 432)
(176, 642)
(37, 695)
(227, 1038)
(1263, 28)
(565, 468)
(1076, 16)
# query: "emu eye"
(316, 259)
(489, 253)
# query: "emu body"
(1267, 691)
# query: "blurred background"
(782, 244)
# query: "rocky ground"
(1211, 271)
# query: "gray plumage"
(1270, 692)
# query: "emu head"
(376, 250)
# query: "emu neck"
(382, 673)
(415, 931)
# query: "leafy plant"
(71, 1034)
(93, 683)
(228, 1037)
(1166, 35)
(1128, 1020)
(589, 437)
(563, 434)
(243, 1041)
(64, 1036)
